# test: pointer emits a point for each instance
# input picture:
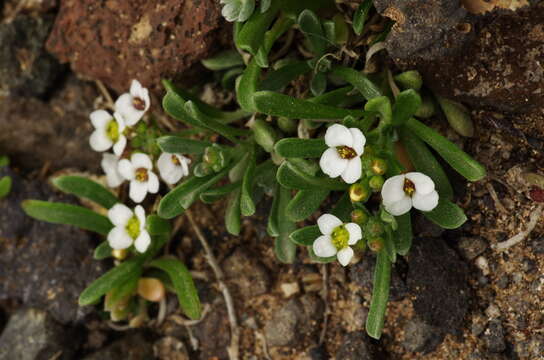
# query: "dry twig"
(533, 220)
(325, 296)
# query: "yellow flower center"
(141, 175)
(346, 152)
(133, 227)
(409, 187)
(175, 160)
(340, 237)
(138, 104)
(112, 130)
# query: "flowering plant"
(344, 136)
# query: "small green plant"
(338, 134)
(5, 181)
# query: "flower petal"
(119, 239)
(109, 164)
(137, 191)
(338, 135)
(425, 202)
(355, 233)
(323, 246)
(359, 141)
(170, 172)
(393, 189)
(99, 141)
(123, 103)
(140, 214)
(424, 184)
(119, 214)
(353, 171)
(184, 161)
(120, 122)
(100, 118)
(140, 160)
(152, 183)
(400, 207)
(332, 164)
(126, 169)
(135, 87)
(142, 241)
(327, 223)
(120, 145)
(345, 255)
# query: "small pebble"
(482, 264)
(289, 289)
(493, 311)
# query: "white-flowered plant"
(337, 238)
(401, 192)
(108, 132)
(173, 167)
(110, 166)
(343, 157)
(129, 228)
(138, 170)
(133, 105)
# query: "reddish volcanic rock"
(116, 40)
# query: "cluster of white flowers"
(110, 133)
(399, 193)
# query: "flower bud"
(360, 245)
(376, 182)
(119, 254)
(359, 192)
(376, 243)
(359, 217)
(378, 166)
(151, 289)
(374, 227)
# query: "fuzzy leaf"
(278, 79)
(446, 215)
(403, 235)
(216, 126)
(311, 27)
(285, 249)
(86, 188)
(156, 225)
(305, 236)
(360, 16)
(380, 296)
(458, 116)
(247, 206)
(292, 177)
(102, 251)
(224, 60)
(305, 203)
(250, 37)
(212, 195)
(300, 148)
(60, 213)
(233, 220)
(5, 186)
(246, 88)
(358, 80)
(406, 105)
(179, 145)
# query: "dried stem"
(535, 216)
(233, 348)
(325, 296)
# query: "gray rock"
(213, 333)
(32, 334)
(471, 247)
(358, 346)
(247, 274)
(494, 337)
(420, 337)
(132, 346)
(43, 265)
(25, 66)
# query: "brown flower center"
(346, 152)
(141, 175)
(175, 160)
(138, 104)
(409, 187)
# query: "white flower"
(110, 165)
(343, 157)
(172, 167)
(108, 132)
(133, 105)
(336, 239)
(129, 228)
(142, 179)
(401, 192)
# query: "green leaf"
(183, 284)
(311, 27)
(4, 160)
(247, 86)
(265, 5)
(305, 203)
(264, 134)
(291, 176)
(403, 236)
(278, 79)
(87, 189)
(458, 116)
(183, 195)
(102, 251)
(247, 206)
(305, 236)
(406, 105)
(60, 213)
(233, 220)
(300, 148)
(410, 80)
(380, 296)
(157, 226)
(389, 245)
(276, 104)
(174, 105)
(178, 145)
(218, 127)
(224, 60)
(228, 80)
(282, 24)
(381, 105)
(318, 84)
(458, 159)
(251, 35)
(343, 208)
(367, 88)
(215, 194)
(272, 227)
(446, 215)
(425, 162)
(121, 292)
(336, 97)
(360, 16)
(285, 249)
(114, 278)
(5, 186)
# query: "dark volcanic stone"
(116, 41)
(32, 334)
(25, 67)
(43, 265)
(358, 346)
(131, 347)
(471, 247)
(438, 282)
